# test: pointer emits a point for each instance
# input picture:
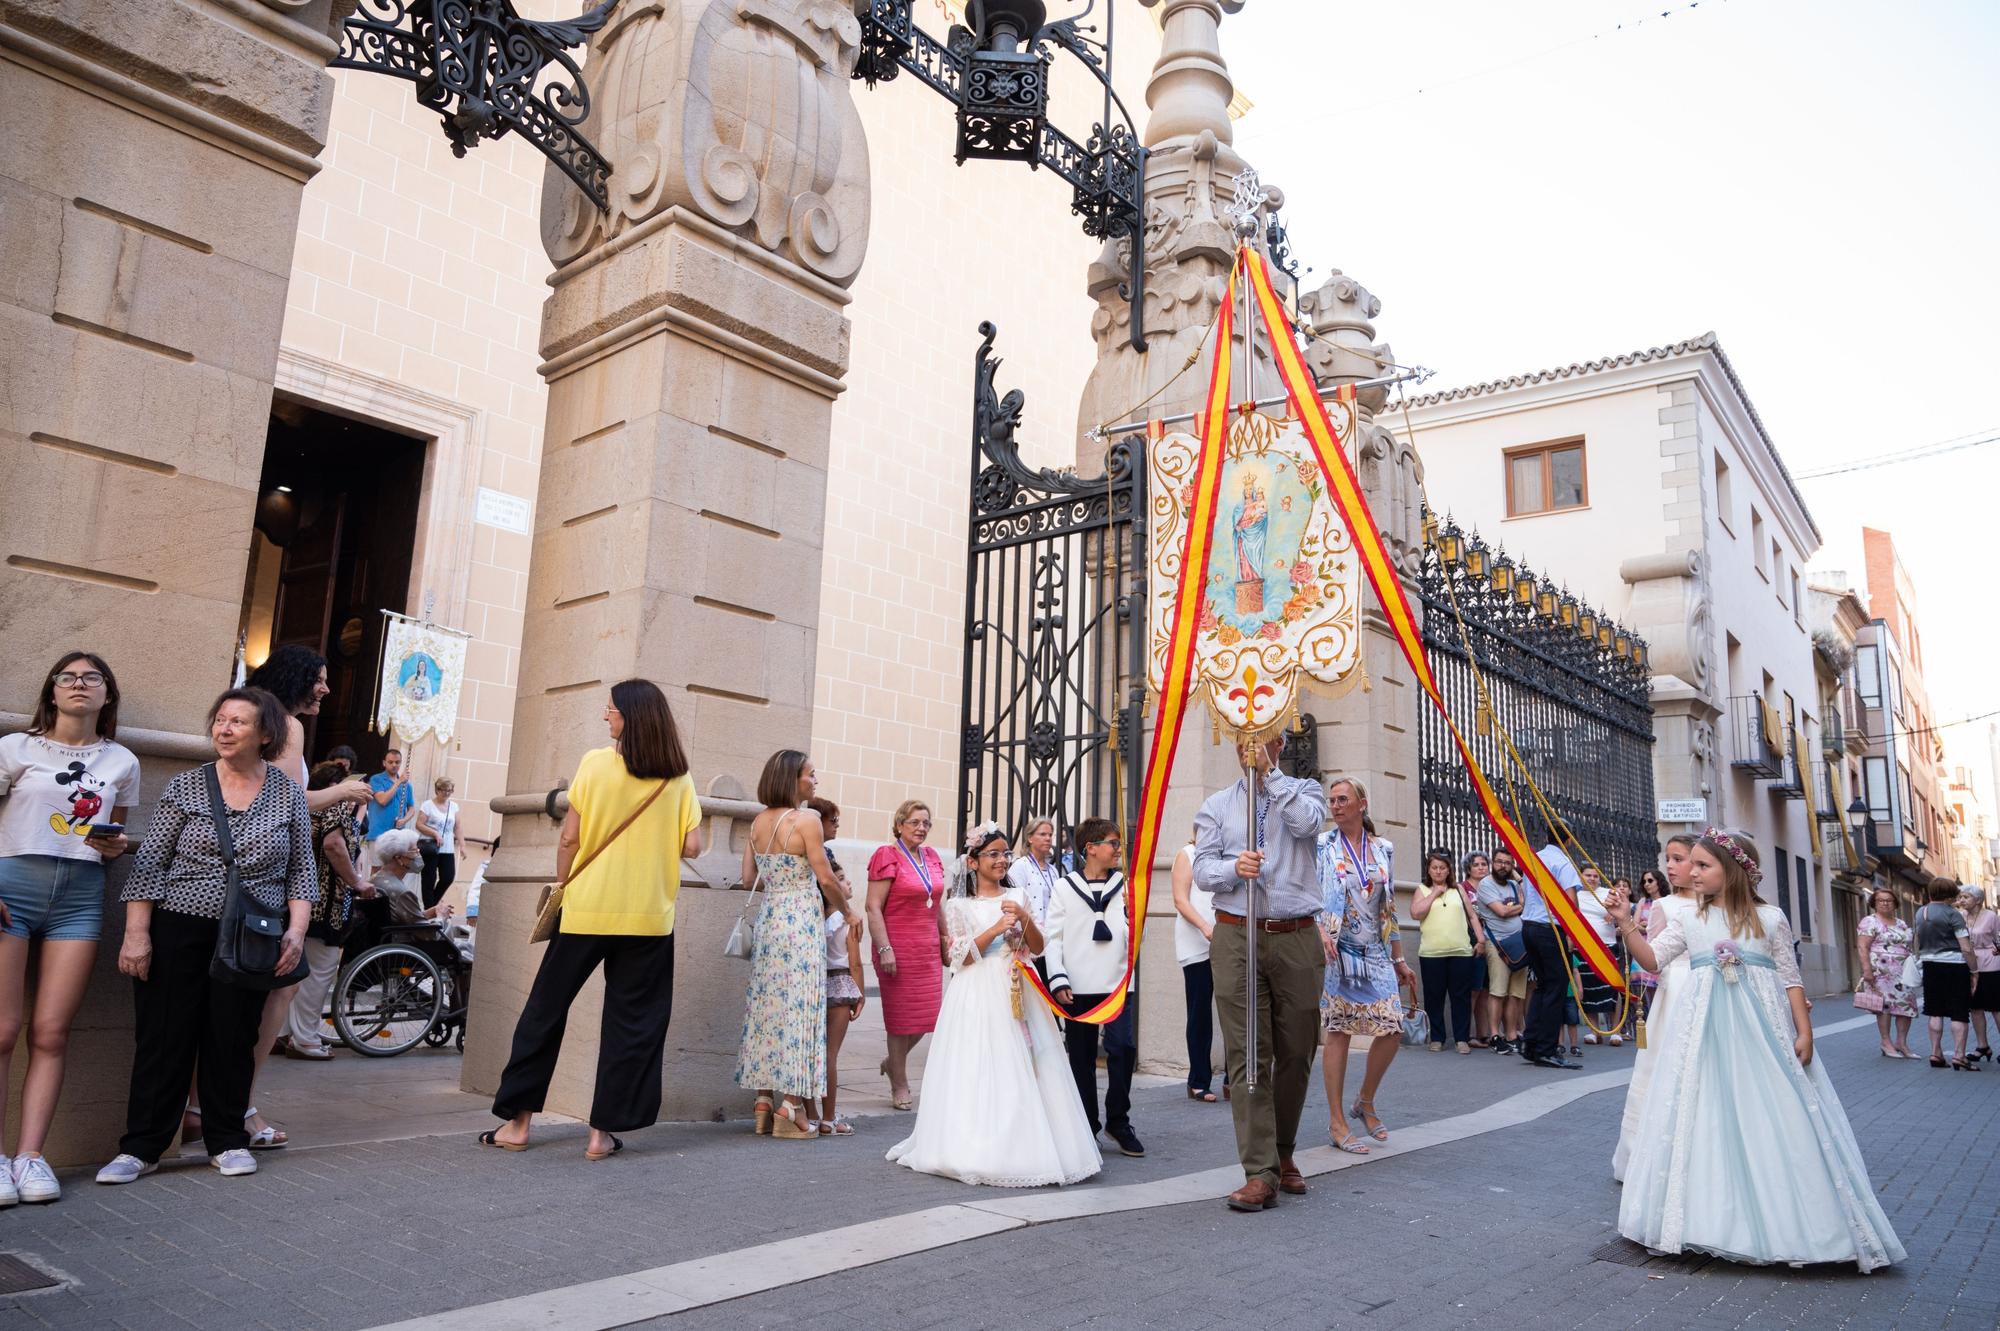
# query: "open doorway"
(335, 533)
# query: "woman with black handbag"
(215, 918)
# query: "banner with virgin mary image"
(423, 669)
(1281, 596)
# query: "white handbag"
(742, 940)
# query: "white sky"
(1526, 185)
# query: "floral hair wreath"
(1717, 837)
(975, 841)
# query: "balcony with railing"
(1757, 738)
(1796, 781)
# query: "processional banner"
(1280, 596)
(423, 670)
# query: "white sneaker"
(232, 1163)
(125, 1169)
(9, 1194)
(1617, 1040)
(35, 1181)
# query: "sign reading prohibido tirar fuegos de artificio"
(1281, 595)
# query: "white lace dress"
(1664, 911)
(1740, 1151)
(999, 1105)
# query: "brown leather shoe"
(1290, 1179)
(1256, 1195)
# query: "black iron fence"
(1570, 687)
(1054, 686)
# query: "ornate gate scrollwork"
(1054, 685)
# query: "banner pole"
(1251, 763)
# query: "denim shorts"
(50, 896)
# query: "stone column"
(1188, 250)
(695, 342)
(150, 176)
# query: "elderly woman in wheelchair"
(414, 983)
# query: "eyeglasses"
(1112, 842)
(917, 822)
(69, 679)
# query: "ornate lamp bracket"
(1002, 102)
(476, 63)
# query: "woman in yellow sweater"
(633, 817)
(1450, 951)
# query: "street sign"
(1683, 811)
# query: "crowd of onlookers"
(252, 851)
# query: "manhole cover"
(1627, 1253)
(20, 1277)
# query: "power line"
(1925, 730)
(1978, 439)
(1631, 25)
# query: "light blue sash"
(1747, 958)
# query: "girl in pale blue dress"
(1743, 1150)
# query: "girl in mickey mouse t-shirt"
(66, 788)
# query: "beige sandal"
(762, 1116)
(787, 1124)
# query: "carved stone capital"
(740, 111)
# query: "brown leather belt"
(1268, 926)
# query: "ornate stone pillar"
(695, 342)
(151, 170)
(1189, 245)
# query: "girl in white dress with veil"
(999, 1106)
(1664, 911)
(1743, 1150)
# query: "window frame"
(1545, 450)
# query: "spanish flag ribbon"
(1177, 684)
(1303, 390)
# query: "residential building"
(1972, 831)
(1903, 771)
(1837, 617)
(1648, 485)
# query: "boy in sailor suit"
(1087, 933)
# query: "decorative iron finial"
(1249, 199)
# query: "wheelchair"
(411, 985)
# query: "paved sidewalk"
(359, 1235)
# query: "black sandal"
(1937, 1062)
(1206, 1097)
(1965, 1065)
(493, 1139)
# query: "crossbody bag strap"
(218, 813)
(630, 818)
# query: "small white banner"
(423, 667)
(1683, 811)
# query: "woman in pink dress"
(906, 891)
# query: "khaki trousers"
(1291, 969)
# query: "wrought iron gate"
(1569, 686)
(1053, 695)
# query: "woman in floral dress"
(1365, 970)
(1884, 944)
(784, 1014)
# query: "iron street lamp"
(476, 63)
(995, 70)
(1864, 830)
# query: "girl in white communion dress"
(1000, 1106)
(1743, 1150)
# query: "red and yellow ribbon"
(1303, 390)
(1177, 682)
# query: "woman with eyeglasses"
(906, 928)
(66, 788)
